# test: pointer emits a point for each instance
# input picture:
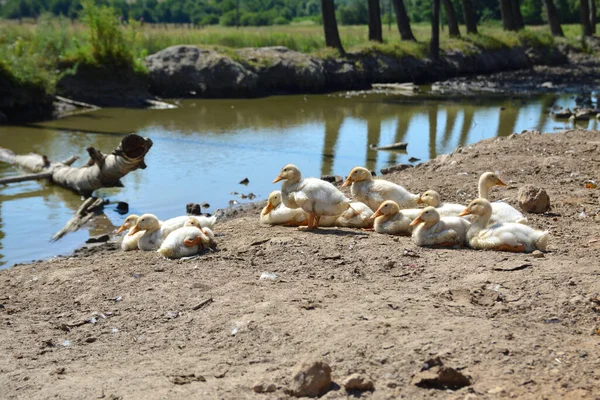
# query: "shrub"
(108, 44)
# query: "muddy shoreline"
(105, 323)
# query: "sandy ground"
(519, 326)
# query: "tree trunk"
(101, 170)
(434, 45)
(584, 15)
(375, 33)
(517, 16)
(508, 21)
(553, 19)
(403, 21)
(453, 30)
(469, 14)
(593, 11)
(332, 35)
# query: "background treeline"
(272, 12)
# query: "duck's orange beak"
(416, 221)
(279, 178)
(268, 209)
(464, 212)
(347, 182)
(419, 201)
(500, 183)
(377, 214)
(193, 242)
(121, 229)
(134, 230)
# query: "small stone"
(395, 168)
(534, 200)
(98, 239)
(122, 207)
(194, 209)
(332, 178)
(358, 382)
(311, 378)
(90, 339)
(263, 387)
(244, 181)
(537, 254)
(496, 390)
(436, 375)
(205, 205)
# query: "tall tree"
(518, 17)
(332, 35)
(584, 15)
(403, 21)
(469, 14)
(434, 45)
(508, 20)
(593, 11)
(453, 30)
(553, 19)
(375, 21)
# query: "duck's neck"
(154, 229)
(481, 221)
(435, 202)
(484, 189)
(384, 218)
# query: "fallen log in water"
(395, 146)
(101, 170)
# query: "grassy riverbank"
(39, 53)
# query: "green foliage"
(107, 41)
(273, 12)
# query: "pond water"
(205, 147)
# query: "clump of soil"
(108, 323)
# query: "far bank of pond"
(205, 147)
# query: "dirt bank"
(519, 326)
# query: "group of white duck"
(480, 225)
(174, 238)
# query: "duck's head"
(388, 207)
(128, 223)
(146, 222)
(191, 221)
(477, 207)
(431, 198)
(273, 201)
(429, 215)
(489, 179)
(356, 175)
(289, 172)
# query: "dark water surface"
(204, 148)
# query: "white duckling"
(130, 242)
(501, 211)
(155, 232)
(357, 216)
(501, 236)
(204, 221)
(433, 199)
(432, 230)
(393, 221)
(276, 213)
(185, 241)
(315, 196)
(373, 192)
(209, 240)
